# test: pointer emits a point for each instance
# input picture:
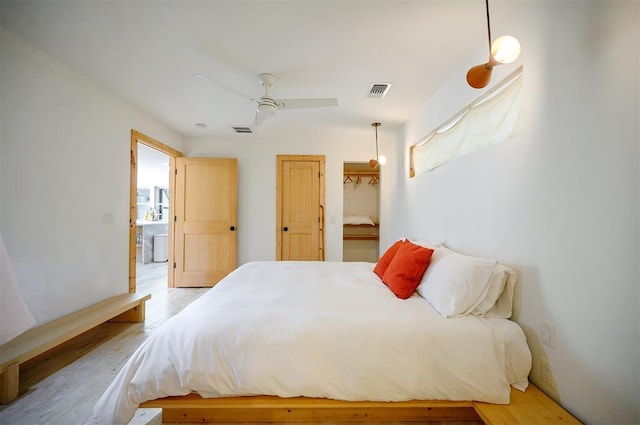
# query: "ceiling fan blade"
(206, 78)
(255, 124)
(259, 119)
(306, 103)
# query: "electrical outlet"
(546, 372)
(548, 334)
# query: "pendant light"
(505, 49)
(380, 159)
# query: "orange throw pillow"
(406, 269)
(386, 258)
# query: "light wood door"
(300, 208)
(205, 220)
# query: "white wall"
(361, 198)
(65, 163)
(560, 203)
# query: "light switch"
(107, 218)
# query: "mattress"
(318, 329)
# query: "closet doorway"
(361, 207)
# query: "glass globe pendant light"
(505, 49)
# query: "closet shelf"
(360, 237)
(363, 232)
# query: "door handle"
(285, 228)
(232, 228)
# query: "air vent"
(243, 130)
(378, 90)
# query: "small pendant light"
(505, 49)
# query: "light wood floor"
(62, 386)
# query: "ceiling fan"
(268, 106)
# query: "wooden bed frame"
(529, 408)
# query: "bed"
(321, 330)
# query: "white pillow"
(494, 289)
(427, 244)
(503, 308)
(455, 283)
(357, 219)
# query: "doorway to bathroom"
(151, 206)
(153, 197)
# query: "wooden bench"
(124, 308)
(529, 408)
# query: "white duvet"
(318, 329)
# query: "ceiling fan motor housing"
(267, 106)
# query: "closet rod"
(362, 173)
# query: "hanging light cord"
(488, 26)
(377, 156)
(374, 162)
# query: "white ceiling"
(147, 51)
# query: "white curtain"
(15, 317)
(493, 117)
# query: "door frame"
(137, 137)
